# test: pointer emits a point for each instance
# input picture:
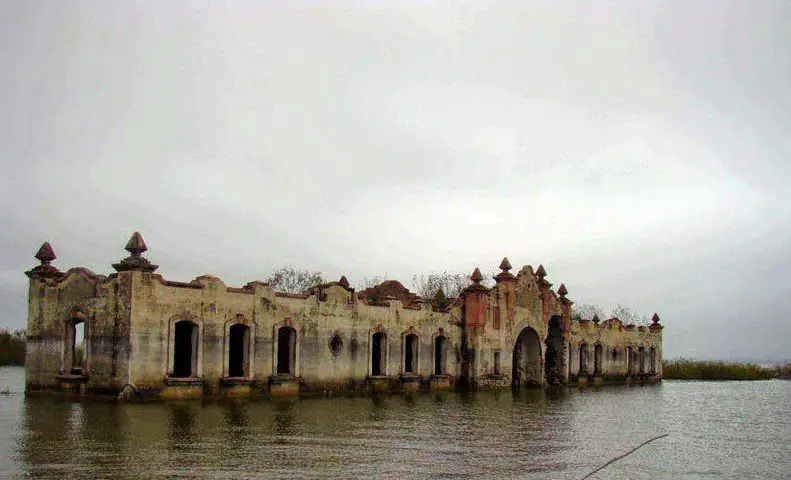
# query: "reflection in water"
(284, 417)
(716, 430)
(236, 415)
(182, 423)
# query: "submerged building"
(134, 334)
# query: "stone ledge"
(174, 381)
(72, 378)
(230, 381)
(283, 378)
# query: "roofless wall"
(134, 334)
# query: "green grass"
(12, 347)
(688, 369)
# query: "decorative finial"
(655, 325)
(136, 246)
(505, 275)
(45, 254)
(343, 282)
(562, 291)
(476, 276)
(596, 319)
(541, 273)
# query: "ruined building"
(134, 334)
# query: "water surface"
(716, 430)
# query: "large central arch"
(527, 361)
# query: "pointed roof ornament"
(562, 291)
(541, 273)
(476, 286)
(135, 246)
(45, 255)
(343, 282)
(505, 275)
(655, 325)
(476, 276)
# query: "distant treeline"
(688, 369)
(12, 347)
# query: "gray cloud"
(639, 151)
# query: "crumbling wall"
(131, 319)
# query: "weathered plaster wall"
(157, 305)
(131, 320)
(103, 305)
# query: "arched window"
(440, 355)
(74, 347)
(583, 358)
(641, 359)
(652, 359)
(239, 350)
(411, 354)
(378, 354)
(597, 358)
(286, 351)
(185, 349)
(629, 360)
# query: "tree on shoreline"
(292, 280)
(12, 347)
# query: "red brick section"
(508, 282)
(476, 304)
(388, 288)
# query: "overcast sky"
(641, 151)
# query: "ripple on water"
(717, 430)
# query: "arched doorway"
(527, 363)
(553, 365)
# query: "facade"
(147, 337)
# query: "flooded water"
(716, 430)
